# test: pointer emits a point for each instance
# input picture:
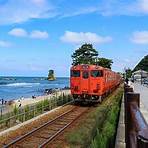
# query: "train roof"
(92, 66)
(87, 65)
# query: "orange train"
(92, 82)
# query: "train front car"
(87, 82)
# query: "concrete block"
(121, 119)
(120, 145)
(120, 137)
(121, 133)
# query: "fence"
(25, 113)
(136, 128)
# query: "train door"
(96, 81)
(85, 82)
(75, 82)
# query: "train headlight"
(85, 66)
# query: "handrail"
(136, 127)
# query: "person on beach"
(33, 97)
(20, 105)
(22, 98)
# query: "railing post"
(131, 98)
(127, 89)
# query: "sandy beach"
(28, 101)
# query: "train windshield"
(85, 74)
(97, 73)
(75, 73)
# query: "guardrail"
(136, 128)
(20, 115)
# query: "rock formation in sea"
(51, 75)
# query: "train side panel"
(92, 81)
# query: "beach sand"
(29, 101)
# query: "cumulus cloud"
(81, 37)
(5, 43)
(140, 37)
(37, 34)
(19, 32)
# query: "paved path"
(143, 90)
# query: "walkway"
(143, 90)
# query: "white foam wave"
(22, 84)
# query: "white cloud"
(81, 37)
(143, 6)
(120, 7)
(5, 43)
(81, 11)
(19, 32)
(39, 2)
(23, 10)
(18, 11)
(39, 34)
(140, 37)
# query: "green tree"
(107, 63)
(142, 65)
(128, 73)
(86, 54)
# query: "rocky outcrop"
(51, 75)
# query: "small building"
(140, 74)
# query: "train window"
(97, 73)
(85, 74)
(75, 73)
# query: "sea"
(16, 87)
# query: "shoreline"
(30, 101)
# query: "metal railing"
(28, 112)
(136, 128)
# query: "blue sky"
(37, 35)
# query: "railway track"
(42, 136)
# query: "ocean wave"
(22, 84)
(3, 83)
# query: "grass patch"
(98, 129)
(27, 112)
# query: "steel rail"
(37, 129)
(58, 132)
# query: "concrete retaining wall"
(120, 137)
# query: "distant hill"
(143, 64)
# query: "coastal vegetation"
(142, 65)
(128, 73)
(19, 115)
(87, 54)
(98, 128)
